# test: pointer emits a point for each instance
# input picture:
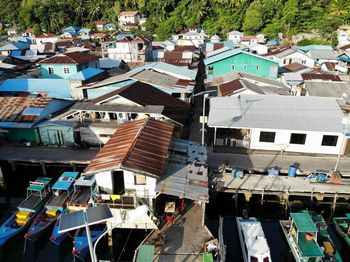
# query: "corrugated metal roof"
(302, 113)
(86, 74)
(327, 89)
(55, 88)
(323, 54)
(186, 172)
(230, 87)
(133, 147)
(70, 58)
(321, 76)
(12, 108)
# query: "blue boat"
(37, 194)
(62, 191)
(83, 190)
(81, 245)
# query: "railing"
(232, 142)
(117, 201)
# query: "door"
(55, 137)
(118, 182)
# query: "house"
(59, 133)
(28, 32)
(174, 80)
(45, 38)
(143, 171)
(344, 62)
(84, 33)
(195, 35)
(100, 25)
(286, 56)
(110, 27)
(85, 76)
(261, 38)
(238, 60)
(249, 40)
(321, 76)
(322, 56)
(122, 35)
(51, 88)
(12, 30)
(327, 89)
(129, 20)
(66, 65)
(22, 114)
(180, 56)
(234, 36)
(278, 123)
(14, 49)
(138, 49)
(256, 49)
(343, 35)
(71, 31)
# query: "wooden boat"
(253, 241)
(62, 190)
(80, 243)
(308, 239)
(83, 190)
(342, 225)
(37, 194)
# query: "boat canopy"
(309, 248)
(303, 222)
(65, 181)
(85, 181)
(39, 184)
(146, 253)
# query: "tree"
(253, 21)
(36, 29)
(290, 13)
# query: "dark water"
(126, 241)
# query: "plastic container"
(272, 172)
(292, 171)
(237, 173)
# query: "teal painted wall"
(56, 134)
(58, 70)
(265, 68)
(25, 134)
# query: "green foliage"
(37, 29)
(313, 41)
(171, 16)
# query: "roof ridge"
(135, 140)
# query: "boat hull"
(81, 245)
(337, 221)
(41, 223)
(57, 238)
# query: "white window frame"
(66, 70)
(51, 70)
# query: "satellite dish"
(345, 96)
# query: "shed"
(58, 133)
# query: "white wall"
(312, 143)
(104, 181)
(147, 190)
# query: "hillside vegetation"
(170, 16)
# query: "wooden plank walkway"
(293, 186)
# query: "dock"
(182, 241)
(283, 187)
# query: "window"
(297, 139)
(253, 259)
(245, 67)
(284, 61)
(329, 140)
(210, 70)
(268, 137)
(120, 115)
(66, 70)
(51, 71)
(233, 67)
(266, 259)
(303, 62)
(178, 95)
(140, 179)
(257, 67)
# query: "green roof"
(303, 222)
(145, 253)
(42, 182)
(309, 248)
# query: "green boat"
(342, 225)
(308, 239)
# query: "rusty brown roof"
(230, 87)
(70, 58)
(294, 67)
(326, 77)
(139, 146)
(12, 108)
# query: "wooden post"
(13, 166)
(43, 167)
(214, 136)
(262, 197)
(334, 202)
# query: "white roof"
(319, 114)
(255, 238)
(235, 33)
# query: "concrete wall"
(245, 63)
(312, 143)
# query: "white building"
(45, 38)
(288, 56)
(192, 36)
(130, 50)
(234, 36)
(343, 35)
(278, 123)
(249, 40)
(129, 19)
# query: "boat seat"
(329, 249)
(51, 212)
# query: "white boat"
(253, 240)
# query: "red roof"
(140, 39)
(49, 35)
(100, 22)
(326, 77)
(248, 37)
(139, 146)
(126, 39)
(70, 58)
(29, 30)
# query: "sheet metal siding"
(49, 134)
(266, 68)
(22, 134)
(97, 92)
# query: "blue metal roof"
(344, 57)
(15, 46)
(85, 181)
(65, 181)
(32, 111)
(314, 47)
(272, 42)
(123, 35)
(86, 74)
(56, 88)
(72, 28)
